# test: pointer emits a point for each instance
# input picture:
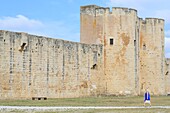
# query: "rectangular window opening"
(111, 41)
(135, 43)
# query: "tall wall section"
(167, 75)
(33, 66)
(117, 31)
(152, 55)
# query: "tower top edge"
(93, 8)
(151, 18)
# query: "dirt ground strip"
(19, 109)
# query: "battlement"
(123, 9)
(152, 20)
(89, 9)
(97, 10)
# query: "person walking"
(147, 98)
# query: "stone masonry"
(35, 66)
(167, 76)
(119, 54)
(133, 49)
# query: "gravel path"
(35, 109)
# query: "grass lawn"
(90, 101)
(94, 101)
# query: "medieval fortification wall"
(35, 66)
(119, 54)
(167, 75)
(133, 48)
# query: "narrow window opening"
(134, 42)
(144, 47)
(111, 41)
(22, 47)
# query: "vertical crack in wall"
(56, 57)
(48, 67)
(136, 58)
(162, 62)
(11, 63)
(88, 63)
(23, 73)
(77, 62)
(30, 61)
(63, 68)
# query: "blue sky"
(61, 18)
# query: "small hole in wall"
(167, 73)
(144, 47)
(22, 47)
(94, 66)
(134, 42)
(4, 40)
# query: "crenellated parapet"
(97, 10)
(89, 9)
(153, 21)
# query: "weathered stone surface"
(119, 54)
(135, 60)
(167, 75)
(152, 55)
(33, 66)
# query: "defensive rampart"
(35, 66)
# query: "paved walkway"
(81, 107)
(45, 109)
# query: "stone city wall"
(167, 75)
(119, 54)
(35, 66)
(135, 59)
(99, 26)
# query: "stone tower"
(152, 55)
(133, 48)
(119, 54)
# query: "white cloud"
(55, 29)
(167, 47)
(19, 22)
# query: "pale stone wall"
(136, 59)
(34, 66)
(167, 75)
(120, 59)
(152, 55)
(40, 66)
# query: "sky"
(61, 18)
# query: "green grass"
(90, 101)
(114, 111)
